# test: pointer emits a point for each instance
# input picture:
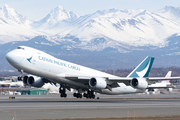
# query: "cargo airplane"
(44, 68)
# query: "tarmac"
(34, 107)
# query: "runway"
(53, 107)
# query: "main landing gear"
(89, 94)
(62, 92)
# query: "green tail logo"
(29, 59)
(143, 69)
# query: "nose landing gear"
(20, 77)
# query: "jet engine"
(139, 83)
(25, 80)
(35, 81)
(97, 83)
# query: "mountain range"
(104, 39)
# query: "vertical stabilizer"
(143, 69)
(167, 75)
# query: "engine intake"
(139, 83)
(35, 81)
(25, 80)
(97, 83)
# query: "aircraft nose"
(13, 57)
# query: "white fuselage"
(160, 85)
(41, 64)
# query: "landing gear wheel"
(65, 95)
(62, 92)
(89, 94)
(80, 95)
(77, 95)
(85, 95)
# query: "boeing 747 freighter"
(44, 68)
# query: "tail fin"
(167, 75)
(143, 69)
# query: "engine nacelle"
(25, 80)
(35, 81)
(139, 83)
(97, 83)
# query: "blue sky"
(38, 9)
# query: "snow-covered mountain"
(114, 28)
(120, 29)
(56, 18)
(129, 27)
(171, 13)
(14, 26)
(10, 16)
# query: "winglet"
(143, 69)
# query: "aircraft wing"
(112, 80)
(162, 78)
(121, 79)
(109, 80)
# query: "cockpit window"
(20, 48)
